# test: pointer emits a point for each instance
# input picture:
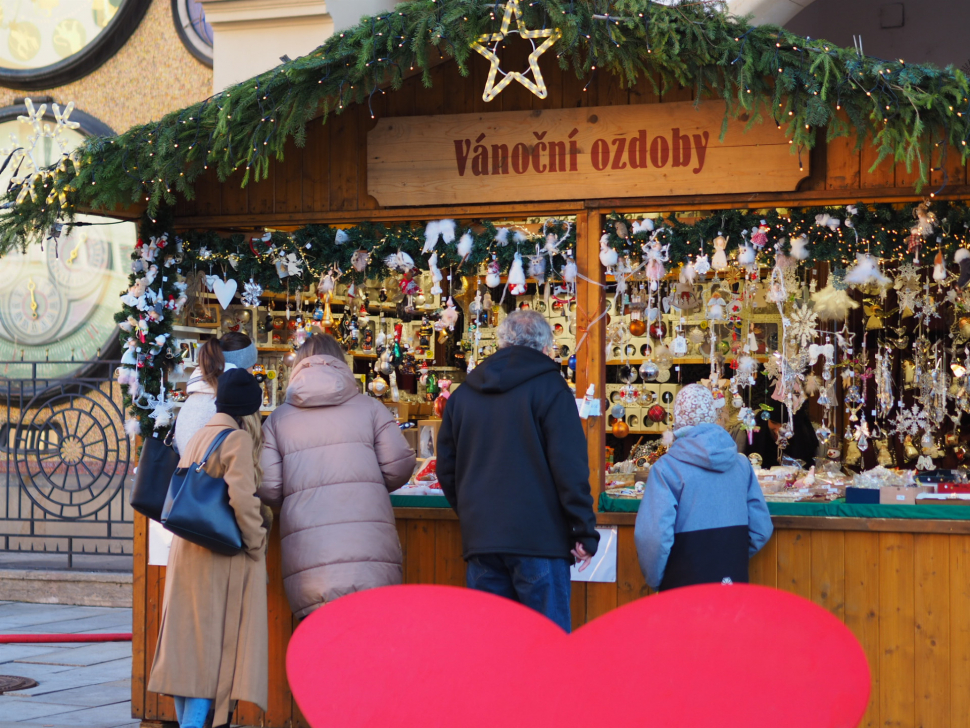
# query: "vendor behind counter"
(803, 445)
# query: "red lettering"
(700, 146)
(520, 158)
(600, 155)
(462, 147)
(537, 156)
(659, 152)
(480, 161)
(681, 148)
(638, 150)
(500, 159)
(620, 145)
(557, 156)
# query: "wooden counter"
(902, 586)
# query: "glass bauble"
(657, 413)
(620, 429)
(649, 371)
(638, 327)
(628, 375)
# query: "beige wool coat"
(330, 457)
(213, 640)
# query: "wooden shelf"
(274, 348)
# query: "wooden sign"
(650, 150)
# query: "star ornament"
(535, 84)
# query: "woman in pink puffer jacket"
(330, 457)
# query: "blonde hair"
(253, 425)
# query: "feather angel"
(833, 302)
(608, 256)
(516, 280)
(399, 261)
(866, 271)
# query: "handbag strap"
(213, 447)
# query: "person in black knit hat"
(209, 595)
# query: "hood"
(707, 446)
(508, 368)
(320, 381)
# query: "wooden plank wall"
(906, 597)
(328, 176)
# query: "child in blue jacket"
(703, 515)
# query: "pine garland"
(763, 72)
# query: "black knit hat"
(238, 393)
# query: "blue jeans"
(192, 712)
(538, 583)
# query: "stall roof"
(763, 71)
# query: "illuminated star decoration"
(27, 162)
(538, 86)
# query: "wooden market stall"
(901, 585)
(386, 128)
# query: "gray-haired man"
(512, 463)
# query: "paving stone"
(37, 672)
(8, 653)
(88, 625)
(105, 716)
(17, 709)
(92, 654)
(107, 693)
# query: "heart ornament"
(709, 655)
(224, 290)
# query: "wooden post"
(590, 356)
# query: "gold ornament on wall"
(536, 86)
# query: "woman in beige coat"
(213, 641)
(331, 457)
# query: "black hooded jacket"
(512, 459)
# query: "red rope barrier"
(6, 639)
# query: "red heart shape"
(709, 655)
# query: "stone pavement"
(80, 685)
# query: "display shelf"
(191, 330)
(281, 347)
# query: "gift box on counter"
(953, 487)
(902, 495)
(861, 495)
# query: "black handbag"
(197, 507)
(155, 469)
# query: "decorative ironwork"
(66, 460)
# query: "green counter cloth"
(837, 508)
(419, 501)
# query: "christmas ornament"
(833, 302)
(962, 258)
(378, 386)
(608, 256)
(719, 262)
(638, 327)
(702, 265)
(620, 429)
(657, 413)
(799, 247)
(224, 290)
(866, 272)
(536, 84)
(341, 237)
(251, 293)
(493, 279)
(516, 279)
(649, 371)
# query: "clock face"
(46, 39)
(58, 303)
(195, 32)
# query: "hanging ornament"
(224, 291)
(536, 84)
(702, 265)
(493, 279)
(656, 257)
(939, 269)
(251, 293)
(962, 258)
(649, 371)
(620, 429)
(799, 247)
(866, 272)
(436, 276)
(657, 413)
(608, 256)
(719, 262)
(516, 279)
(833, 302)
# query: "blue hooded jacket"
(703, 515)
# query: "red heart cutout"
(710, 655)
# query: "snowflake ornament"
(927, 309)
(907, 273)
(911, 421)
(802, 324)
(251, 293)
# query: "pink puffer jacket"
(331, 456)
